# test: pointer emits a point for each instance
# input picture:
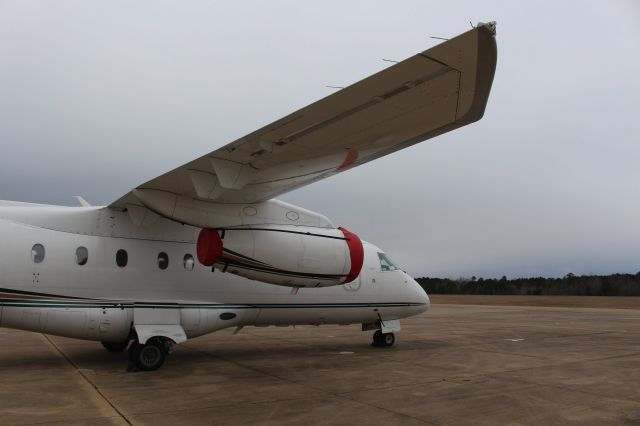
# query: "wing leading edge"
(431, 93)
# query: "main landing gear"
(143, 356)
(149, 356)
(381, 339)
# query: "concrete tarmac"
(456, 364)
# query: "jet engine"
(293, 256)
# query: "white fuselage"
(98, 300)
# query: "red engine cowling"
(293, 256)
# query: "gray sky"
(98, 97)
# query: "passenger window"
(37, 253)
(188, 262)
(385, 263)
(82, 255)
(163, 260)
(122, 258)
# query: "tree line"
(569, 285)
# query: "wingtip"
(491, 26)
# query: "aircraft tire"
(132, 350)
(115, 346)
(388, 339)
(149, 356)
(377, 338)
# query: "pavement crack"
(89, 382)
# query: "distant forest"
(569, 285)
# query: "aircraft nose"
(420, 296)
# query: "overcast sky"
(98, 97)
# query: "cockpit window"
(385, 263)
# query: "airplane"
(207, 246)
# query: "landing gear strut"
(381, 339)
(148, 356)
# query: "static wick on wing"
(341, 87)
(82, 201)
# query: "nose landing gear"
(381, 339)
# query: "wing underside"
(428, 94)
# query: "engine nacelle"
(293, 256)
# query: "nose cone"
(420, 296)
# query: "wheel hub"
(150, 355)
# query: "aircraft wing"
(428, 94)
